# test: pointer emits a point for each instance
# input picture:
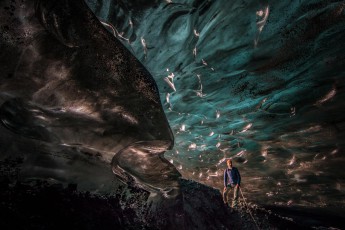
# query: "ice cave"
(120, 114)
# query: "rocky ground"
(41, 205)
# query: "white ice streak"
(213, 174)
(245, 129)
(262, 19)
(335, 151)
(217, 114)
(196, 33)
(312, 129)
(293, 160)
(221, 161)
(241, 153)
(114, 30)
(298, 178)
(199, 92)
(167, 98)
(143, 43)
(327, 97)
(292, 111)
(264, 151)
(263, 14)
(169, 79)
(194, 52)
(192, 146)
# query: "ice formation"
(76, 104)
(259, 81)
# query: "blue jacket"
(232, 177)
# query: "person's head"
(229, 163)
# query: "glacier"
(261, 82)
(75, 110)
(146, 92)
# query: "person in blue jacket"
(232, 180)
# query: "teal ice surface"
(258, 81)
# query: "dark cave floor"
(40, 205)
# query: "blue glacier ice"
(151, 90)
(261, 82)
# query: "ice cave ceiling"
(261, 82)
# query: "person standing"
(232, 180)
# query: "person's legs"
(225, 194)
(235, 199)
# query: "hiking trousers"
(235, 197)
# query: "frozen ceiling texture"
(151, 90)
(261, 82)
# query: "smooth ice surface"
(75, 103)
(259, 81)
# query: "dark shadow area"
(42, 205)
(331, 217)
